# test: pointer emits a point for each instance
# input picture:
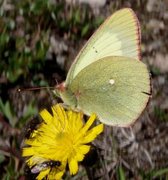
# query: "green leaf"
(121, 174)
(8, 112)
(2, 158)
(160, 172)
(31, 110)
(2, 108)
(85, 30)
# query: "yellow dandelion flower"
(62, 138)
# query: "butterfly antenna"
(33, 88)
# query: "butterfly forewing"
(119, 35)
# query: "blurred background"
(38, 42)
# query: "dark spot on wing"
(149, 94)
(95, 49)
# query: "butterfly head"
(65, 93)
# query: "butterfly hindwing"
(117, 89)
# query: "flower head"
(62, 138)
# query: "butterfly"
(107, 76)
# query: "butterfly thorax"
(67, 95)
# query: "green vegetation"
(25, 31)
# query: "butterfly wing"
(119, 93)
(119, 35)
